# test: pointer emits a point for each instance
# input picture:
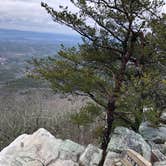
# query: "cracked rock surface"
(43, 149)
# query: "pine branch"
(81, 28)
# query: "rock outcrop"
(43, 149)
(91, 156)
(112, 158)
(157, 135)
(123, 139)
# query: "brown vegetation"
(27, 111)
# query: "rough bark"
(109, 120)
(108, 128)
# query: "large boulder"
(112, 158)
(91, 156)
(123, 139)
(150, 133)
(41, 148)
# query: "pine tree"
(117, 49)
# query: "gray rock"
(163, 117)
(123, 139)
(111, 158)
(118, 164)
(156, 154)
(64, 163)
(40, 148)
(70, 150)
(158, 151)
(157, 135)
(158, 147)
(91, 156)
(161, 163)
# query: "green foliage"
(119, 61)
(153, 116)
(86, 115)
(145, 93)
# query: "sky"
(30, 16)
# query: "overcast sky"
(29, 15)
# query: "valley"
(17, 47)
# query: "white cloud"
(29, 15)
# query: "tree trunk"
(108, 128)
(112, 101)
(109, 121)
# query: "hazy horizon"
(41, 32)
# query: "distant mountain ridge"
(16, 47)
(6, 34)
